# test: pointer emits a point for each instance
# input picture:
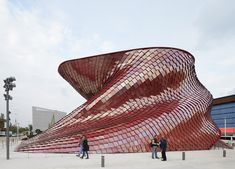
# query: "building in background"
(44, 118)
(223, 113)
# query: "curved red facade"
(133, 96)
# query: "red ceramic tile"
(133, 96)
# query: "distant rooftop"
(225, 99)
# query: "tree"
(13, 128)
(30, 128)
(2, 121)
(38, 131)
(30, 131)
(23, 129)
(2, 117)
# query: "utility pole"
(8, 86)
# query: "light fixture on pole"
(8, 85)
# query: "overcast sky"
(37, 35)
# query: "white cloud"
(216, 23)
(32, 47)
(232, 92)
(89, 45)
(214, 68)
(29, 52)
(36, 38)
(215, 53)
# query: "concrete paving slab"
(210, 159)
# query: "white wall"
(42, 117)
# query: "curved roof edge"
(122, 51)
(223, 100)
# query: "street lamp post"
(8, 86)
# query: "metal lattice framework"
(133, 96)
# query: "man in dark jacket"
(85, 148)
(163, 146)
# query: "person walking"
(154, 144)
(85, 148)
(163, 146)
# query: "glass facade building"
(223, 113)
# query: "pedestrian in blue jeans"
(81, 146)
(154, 144)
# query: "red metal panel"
(133, 96)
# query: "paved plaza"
(211, 159)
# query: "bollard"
(183, 155)
(102, 161)
(224, 153)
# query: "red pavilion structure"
(133, 96)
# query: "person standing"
(154, 144)
(85, 148)
(81, 146)
(163, 146)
